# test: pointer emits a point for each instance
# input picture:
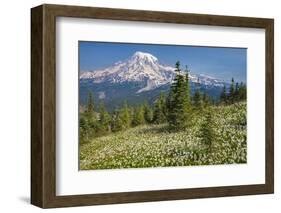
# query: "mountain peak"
(145, 70)
(144, 56)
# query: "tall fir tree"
(121, 118)
(84, 130)
(90, 103)
(242, 92)
(206, 99)
(90, 117)
(104, 118)
(231, 92)
(138, 117)
(197, 99)
(206, 131)
(148, 113)
(159, 113)
(223, 96)
(179, 100)
(187, 87)
(116, 121)
(236, 92)
(125, 116)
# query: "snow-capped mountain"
(145, 69)
(141, 67)
(139, 78)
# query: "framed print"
(136, 106)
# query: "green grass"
(155, 146)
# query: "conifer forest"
(179, 128)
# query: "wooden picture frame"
(43, 105)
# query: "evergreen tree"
(83, 129)
(138, 117)
(197, 99)
(187, 89)
(242, 92)
(206, 130)
(159, 113)
(148, 113)
(125, 116)
(163, 103)
(116, 121)
(206, 99)
(223, 96)
(90, 103)
(88, 120)
(104, 119)
(231, 92)
(236, 92)
(121, 118)
(179, 100)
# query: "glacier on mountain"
(145, 68)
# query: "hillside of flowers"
(178, 129)
(157, 146)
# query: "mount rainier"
(140, 77)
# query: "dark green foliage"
(83, 130)
(116, 121)
(138, 117)
(88, 126)
(179, 101)
(160, 110)
(223, 97)
(236, 93)
(104, 119)
(206, 131)
(121, 119)
(125, 116)
(90, 103)
(197, 99)
(206, 99)
(242, 92)
(148, 113)
(231, 95)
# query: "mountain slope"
(141, 67)
(139, 77)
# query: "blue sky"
(223, 63)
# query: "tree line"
(237, 92)
(177, 109)
(96, 120)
